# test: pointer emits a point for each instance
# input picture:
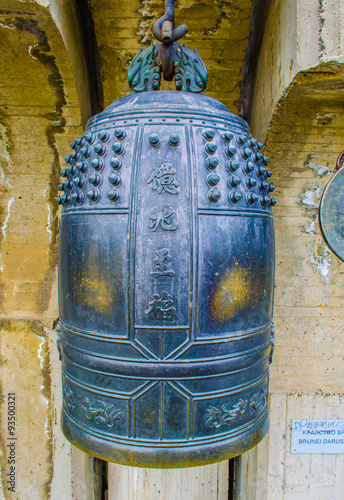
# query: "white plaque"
(317, 436)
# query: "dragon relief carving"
(68, 397)
(216, 418)
(100, 413)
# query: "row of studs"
(81, 148)
(234, 181)
(211, 162)
(154, 141)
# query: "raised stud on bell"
(209, 134)
(115, 179)
(214, 195)
(265, 160)
(94, 179)
(78, 197)
(66, 185)
(65, 199)
(153, 141)
(259, 156)
(81, 166)
(174, 140)
(115, 163)
(92, 195)
(226, 136)
(89, 137)
(268, 173)
(58, 200)
(271, 188)
(263, 185)
(261, 171)
(118, 148)
(246, 153)
(100, 149)
(235, 197)
(211, 163)
(86, 151)
(241, 140)
(234, 181)
(248, 167)
(104, 136)
(230, 151)
(232, 166)
(211, 148)
(250, 182)
(265, 201)
(251, 198)
(79, 182)
(273, 201)
(120, 134)
(213, 179)
(97, 164)
(113, 195)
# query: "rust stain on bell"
(234, 291)
(166, 272)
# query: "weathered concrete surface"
(39, 115)
(297, 110)
(303, 143)
(292, 476)
(217, 29)
(74, 21)
(197, 483)
(298, 35)
(25, 372)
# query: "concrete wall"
(39, 116)
(297, 110)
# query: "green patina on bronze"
(168, 58)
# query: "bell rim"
(159, 457)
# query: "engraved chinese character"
(163, 179)
(166, 217)
(162, 262)
(161, 307)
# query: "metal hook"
(163, 28)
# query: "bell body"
(166, 279)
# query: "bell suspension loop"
(168, 58)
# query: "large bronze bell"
(166, 273)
